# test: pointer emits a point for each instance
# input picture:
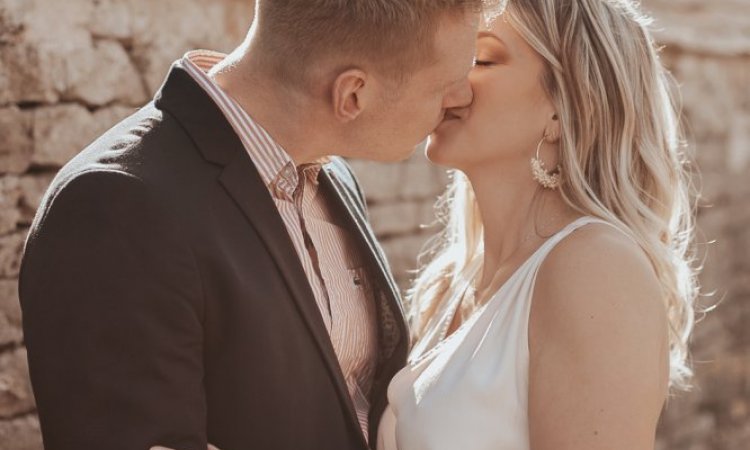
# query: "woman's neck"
(517, 214)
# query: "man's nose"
(460, 96)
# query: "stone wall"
(708, 50)
(70, 69)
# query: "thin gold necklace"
(470, 299)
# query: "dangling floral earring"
(549, 180)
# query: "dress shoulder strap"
(551, 242)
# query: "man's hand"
(158, 447)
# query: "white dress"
(469, 391)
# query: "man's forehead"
(454, 48)
(457, 37)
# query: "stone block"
(713, 190)
(714, 247)
(17, 76)
(11, 249)
(402, 254)
(103, 73)
(5, 92)
(16, 144)
(696, 433)
(739, 143)
(423, 180)
(10, 196)
(27, 75)
(60, 132)
(719, 28)
(11, 17)
(105, 118)
(390, 219)
(32, 188)
(45, 67)
(10, 313)
(710, 337)
(195, 27)
(381, 182)
(394, 218)
(708, 97)
(16, 396)
(23, 433)
(414, 179)
(38, 68)
(9, 304)
(112, 19)
(154, 60)
(49, 21)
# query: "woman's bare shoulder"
(598, 288)
(598, 259)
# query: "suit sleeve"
(111, 301)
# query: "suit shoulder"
(149, 146)
(91, 187)
(113, 149)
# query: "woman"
(556, 306)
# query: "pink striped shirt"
(329, 256)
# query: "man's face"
(406, 117)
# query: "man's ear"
(349, 94)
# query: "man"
(204, 271)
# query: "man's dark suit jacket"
(163, 301)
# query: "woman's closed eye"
(481, 62)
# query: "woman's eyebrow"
(489, 34)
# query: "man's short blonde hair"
(395, 37)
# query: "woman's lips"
(450, 116)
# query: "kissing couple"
(204, 273)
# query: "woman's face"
(510, 111)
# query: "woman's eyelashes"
(484, 59)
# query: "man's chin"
(408, 152)
(392, 154)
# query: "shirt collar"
(277, 169)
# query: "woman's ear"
(348, 94)
(552, 130)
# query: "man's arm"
(111, 302)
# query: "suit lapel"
(394, 335)
(244, 184)
(219, 144)
(345, 199)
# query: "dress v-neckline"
(444, 324)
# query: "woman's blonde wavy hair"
(619, 151)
